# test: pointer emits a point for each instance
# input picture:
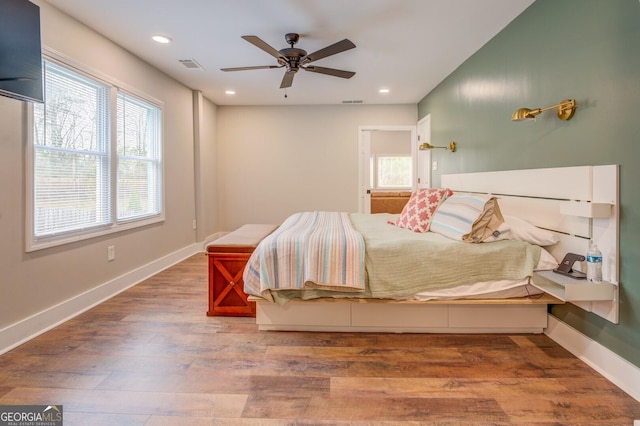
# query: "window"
(138, 158)
(391, 171)
(94, 159)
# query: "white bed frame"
(579, 203)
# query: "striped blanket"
(309, 250)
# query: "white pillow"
(547, 262)
(524, 231)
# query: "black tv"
(20, 51)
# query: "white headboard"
(578, 203)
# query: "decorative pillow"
(418, 212)
(470, 218)
(524, 231)
(547, 262)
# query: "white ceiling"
(407, 46)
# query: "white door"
(423, 165)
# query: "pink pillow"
(417, 213)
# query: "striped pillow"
(470, 218)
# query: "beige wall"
(32, 282)
(391, 142)
(206, 170)
(275, 160)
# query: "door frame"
(364, 142)
(423, 157)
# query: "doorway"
(380, 145)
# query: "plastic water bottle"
(594, 264)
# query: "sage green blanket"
(400, 263)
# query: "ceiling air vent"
(352, 102)
(190, 63)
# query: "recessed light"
(161, 39)
(230, 92)
(383, 91)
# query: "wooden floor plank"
(219, 382)
(150, 356)
(445, 387)
(375, 409)
(389, 355)
(98, 419)
(132, 403)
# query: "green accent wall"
(587, 50)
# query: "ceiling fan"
(295, 59)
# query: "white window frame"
(34, 243)
(154, 160)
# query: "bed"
(394, 279)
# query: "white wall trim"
(28, 328)
(616, 369)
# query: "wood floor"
(151, 356)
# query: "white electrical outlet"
(194, 224)
(111, 253)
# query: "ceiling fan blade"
(338, 47)
(259, 43)
(287, 80)
(330, 71)
(259, 67)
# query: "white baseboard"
(616, 369)
(28, 328)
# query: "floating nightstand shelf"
(586, 209)
(573, 290)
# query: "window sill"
(33, 246)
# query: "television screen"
(20, 50)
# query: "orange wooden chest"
(228, 257)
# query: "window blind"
(71, 155)
(138, 158)
(95, 159)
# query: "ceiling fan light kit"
(293, 59)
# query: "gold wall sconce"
(564, 110)
(451, 147)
